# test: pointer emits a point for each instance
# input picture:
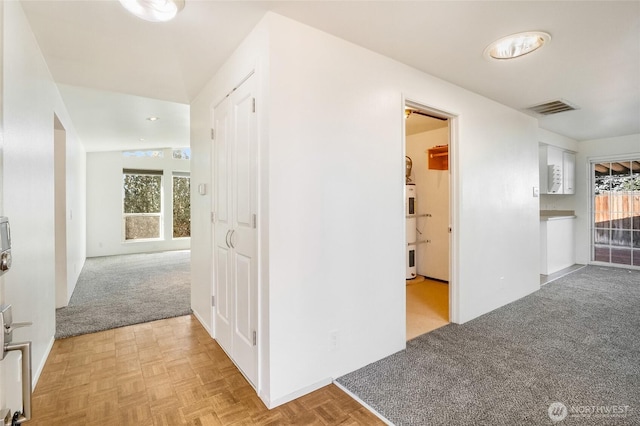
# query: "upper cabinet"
(557, 170)
(568, 172)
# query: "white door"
(222, 226)
(243, 235)
(433, 260)
(235, 247)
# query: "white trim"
(364, 404)
(562, 273)
(245, 78)
(295, 395)
(38, 371)
(590, 166)
(614, 265)
(610, 158)
(201, 321)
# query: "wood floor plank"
(167, 373)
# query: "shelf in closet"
(438, 157)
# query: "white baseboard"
(202, 322)
(364, 404)
(294, 395)
(38, 371)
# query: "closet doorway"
(427, 209)
(235, 237)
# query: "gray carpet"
(576, 341)
(115, 291)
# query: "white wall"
(334, 163)
(104, 203)
(76, 167)
(30, 100)
(432, 193)
(624, 147)
(555, 139)
(250, 56)
(344, 135)
(3, 399)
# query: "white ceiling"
(113, 121)
(593, 60)
(418, 123)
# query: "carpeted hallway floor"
(575, 342)
(114, 291)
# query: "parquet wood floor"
(167, 373)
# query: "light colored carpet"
(576, 342)
(115, 291)
(427, 306)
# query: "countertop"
(557, 214)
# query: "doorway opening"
(428, 219)
(615, 218)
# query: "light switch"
(536, 191)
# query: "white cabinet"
(557, 170)
(568, 172)
(556, 244)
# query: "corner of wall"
(251, 55)
(550, 138)
(273, 403)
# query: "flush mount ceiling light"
(153, 118)
(517, 45)
(154, 10)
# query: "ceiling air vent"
(552, 107)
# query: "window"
(181, 205)
(142, 204)
(154, 153)
(156, 194)
(182, 154)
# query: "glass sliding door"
(615, 230)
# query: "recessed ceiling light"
(153, 118)
(517, 45)
(154, 10)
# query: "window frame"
(601, 237)
(179, 174)
(160, 214)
